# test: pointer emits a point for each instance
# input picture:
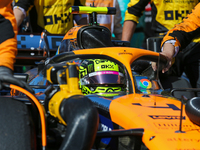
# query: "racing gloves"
(6, 75)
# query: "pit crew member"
(165, 14)
(52, 15)
(8, 45)
(178, 38)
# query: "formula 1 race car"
(135, 111)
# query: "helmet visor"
(104, 77)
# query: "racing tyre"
(14, 125)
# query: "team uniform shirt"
(52, 15)
(165, 13)
(186, 31)
(8, 38)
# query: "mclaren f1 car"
(142, 115)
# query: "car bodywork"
(156, 117)
(148, 118)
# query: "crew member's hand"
(168, 52)
(6, 76)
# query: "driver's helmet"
(100, 76)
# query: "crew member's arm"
(128, 30)
(117, 30)
(21, 9)
(8, 38)
(19, 15)
(8, 46)
(186, 31)
(180, 36)
(132, 15)
(168, 50)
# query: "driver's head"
(102, 77)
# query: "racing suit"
(165, 13)
(183, 34)
(52, 15)
(8, 38)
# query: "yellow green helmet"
(102, 77)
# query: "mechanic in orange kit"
(178, 38)
(165, 14)
(8, 45)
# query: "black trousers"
(188, 61)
